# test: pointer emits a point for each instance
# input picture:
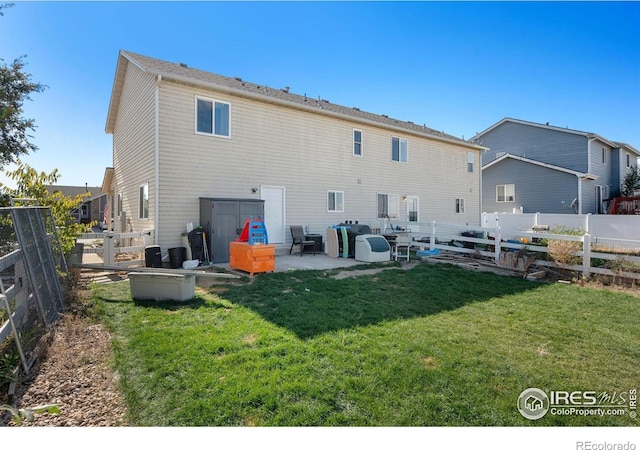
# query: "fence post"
(497, 246)
(148, 237)
(587, 223)
(586, 255)
(109, 249)
(432, 237)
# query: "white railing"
(110, 247)
(624, 254)
(602, 225)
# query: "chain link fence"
(32, 267)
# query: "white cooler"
(372, 248)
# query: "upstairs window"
(357, 143)
(470, 162)
(399, 150)
(628, 160)
(212, 117)
(604, 155)
(459, 206)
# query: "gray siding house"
(181, 134)
(533, 167)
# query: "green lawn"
(432, 346)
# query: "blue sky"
(459, 67)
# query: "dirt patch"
(76, 373)
(358, 273)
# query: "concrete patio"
(309, 261)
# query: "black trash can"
(196, 242)
(177, 256)
(152, 256)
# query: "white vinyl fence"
(114, 249)
(602, 255)
(602, 225)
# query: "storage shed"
(223, 219)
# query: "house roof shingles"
(587, 134)
(182, 73)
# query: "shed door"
(224, 229)
(273, 197)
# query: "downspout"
(480, 182)
(579, 194)
(589, 141)
(156, 160)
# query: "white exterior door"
(273, 197)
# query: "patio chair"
(298, 238)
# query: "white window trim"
(415, 198)
(605, 157)
(393, 205)
(506, 192)
(140, 205)
(470, 162)
(213, 117)
(341, 203)
(406, 156)
(459, 205)
(353, 148)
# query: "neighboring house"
(181, 134)
(532, 167)
(91, 209)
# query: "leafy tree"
(631, 182)
(32, 185)
(15, 87)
